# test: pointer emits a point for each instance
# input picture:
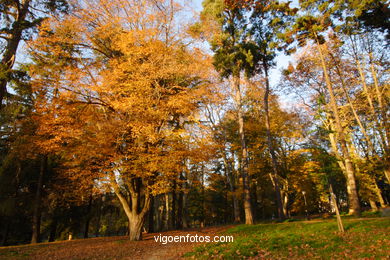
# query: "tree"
(233, 56)
(269, 20)
(118, 109)
(19, 19)
(309, 28)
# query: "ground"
(108, 247)
(365, 238)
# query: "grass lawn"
(364, 238)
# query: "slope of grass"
(364, 238)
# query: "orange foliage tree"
(116, 88)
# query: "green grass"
(364, 238)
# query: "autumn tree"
(117, 94)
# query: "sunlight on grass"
(304, 240)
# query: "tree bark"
(275, 172)
(202, 223)
(88, 216)
(354, 205)
(244, 156)
(53, 230)
(151, 216)
(384, 123)
(173, 216)
(373, 205)
(8, 60)
(99, 214)
(135, 227)
(36, 220)
(179, 220)
(167, 218)
(185, 212)
(135, 212)
(333, 198)
(379, 195)
(232, 187)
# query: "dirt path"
(110, 247)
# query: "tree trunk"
(135, 227)
(231, 181)
(151, 215)
(5, 232)
(160, 213)
(8, 60)
(53, 230)
(135, 212)
(202, 223)
(384, 123)
(379, 195)
(333, 198)
(36, 221)
(244, 159)
(167, 218)
(99, 214)
(275, 174)
(179, 220)
(236, 209)
(373, 205)
(285, 204)
(88, 216)
(354, 205)
(173, 216)
(185, 212)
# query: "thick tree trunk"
(135, 227)
(275, 172)
(135, 212)
(354, 205)
(244, 157)
(36, 220)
